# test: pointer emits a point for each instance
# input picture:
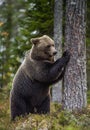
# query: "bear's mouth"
(49, 54)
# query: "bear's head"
(43, 48)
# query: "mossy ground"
(56, 120)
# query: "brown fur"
(43, 48)
(31, 92)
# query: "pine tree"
(75, 83)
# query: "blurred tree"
(57, 88)
(6, 18)
(88, 44)
(8, 32)
(75, 83)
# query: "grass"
(57, 120)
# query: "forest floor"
(57, 120)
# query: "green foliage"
(3, 55)
(10, 51)
(39, 18)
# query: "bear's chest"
(39, 93)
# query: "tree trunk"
(75, 83)
(57, 88)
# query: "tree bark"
(75, 83)
(57, 88)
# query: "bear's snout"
(55, 52)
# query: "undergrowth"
(56, 120)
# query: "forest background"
(21, 20)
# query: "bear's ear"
(34, 40)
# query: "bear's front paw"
(66, 53)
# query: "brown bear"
(31, 92)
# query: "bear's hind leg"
(44, 108)
(18, 108)
(29, 108)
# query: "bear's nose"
(54, 53)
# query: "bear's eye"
(48, 46)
